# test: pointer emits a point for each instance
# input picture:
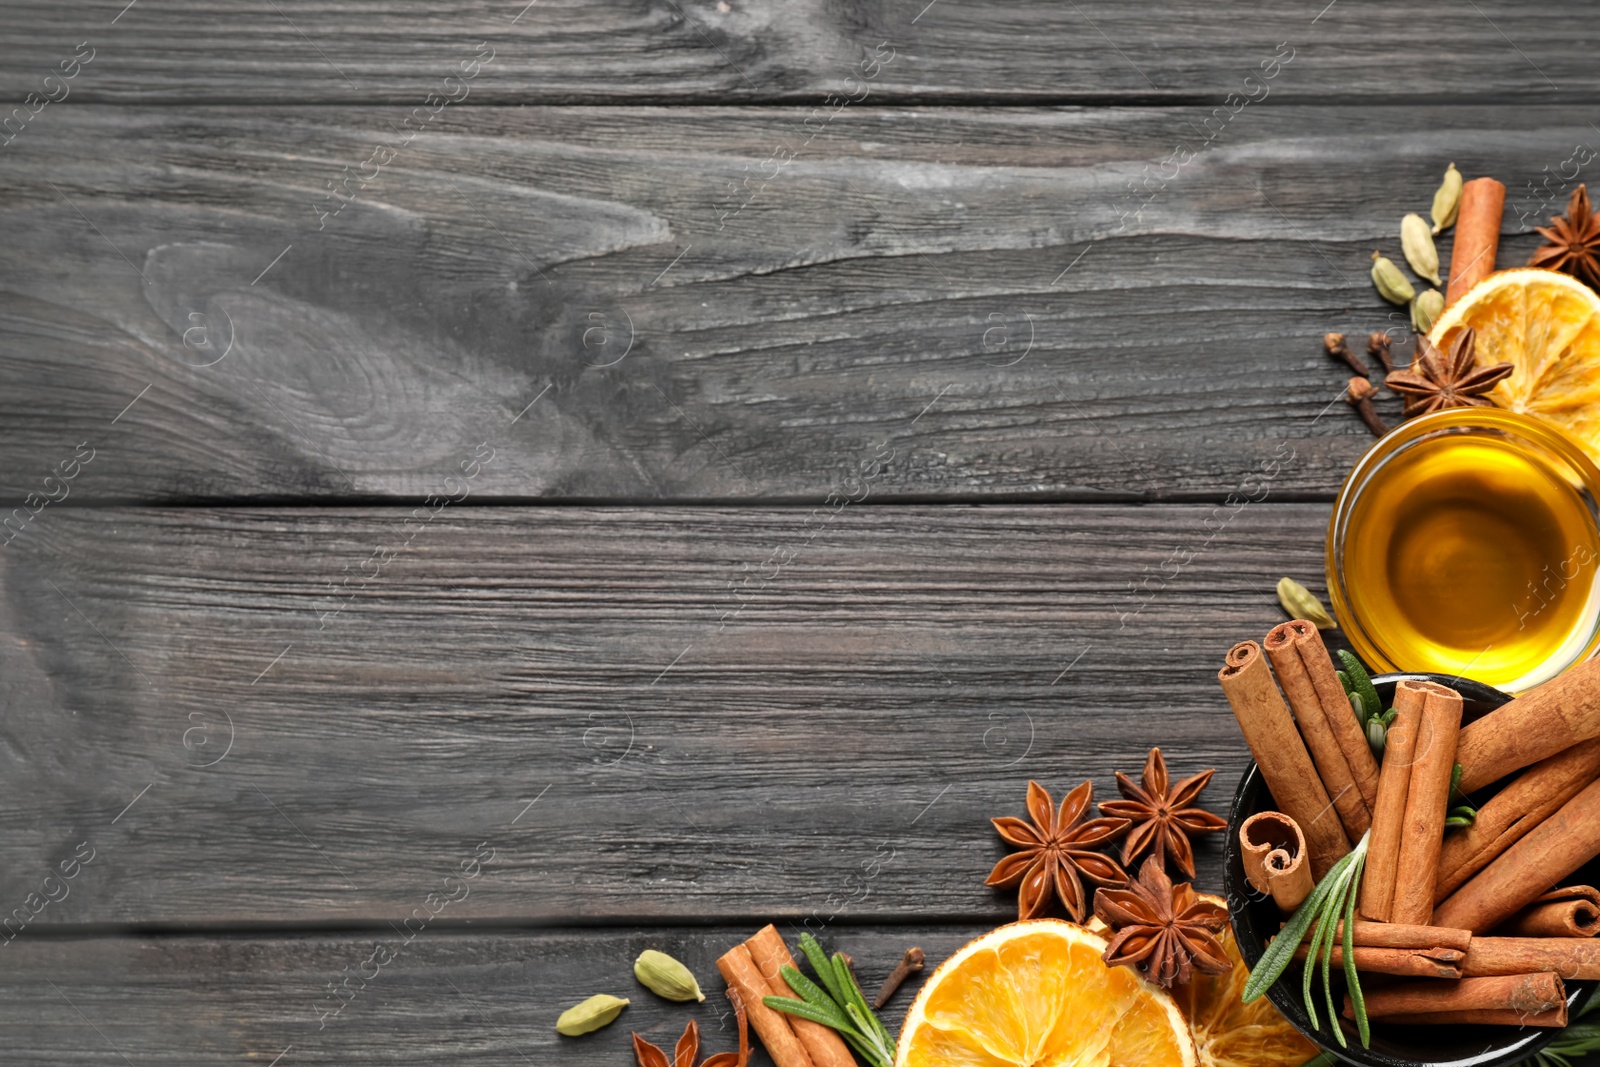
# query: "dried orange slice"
(1229, 1033)
(1038, 994)
(1547, 326)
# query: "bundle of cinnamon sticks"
(1428, 898)
(752, 970)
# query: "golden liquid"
(1468, 555)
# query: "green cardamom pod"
(1392, 285)
(1447, 201)
(1417, 243)
(599, 1010)
(1301, 603)
(1426, 309)
(665, 976)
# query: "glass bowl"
(1434, 546)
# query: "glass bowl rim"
(1542, 433)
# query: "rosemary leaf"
(809, 991)
(807, 1011)
(1321, 950)
(1305, 976)
(857, 1005)
(1351, 979)
(819, 963)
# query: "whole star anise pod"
(1574, 246)
(1162, 817)
(1436, 381)
(650, 1055)
(1164, 932)
(1057, 847)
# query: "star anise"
(1436, 381)
(650, 1055)
(1574, 241)
(1162, 817)
(1057, 847)
(1164, 932)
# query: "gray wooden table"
(686, 462)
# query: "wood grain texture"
(334, 51)
(689, 714)
(489, 998)
(976, 290)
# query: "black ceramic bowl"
(1255, 918)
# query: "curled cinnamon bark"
(1530, 799)
(1406, 962)
(1553, 1019)
(1572, 911)
(1550, 851)
(1273, 850)
(824, 1045)
(1406, 935)
(1573, 958)
(1338, 745)
(1389, 813)
(1527, 995)
(1427, 799)
(1477, 236)
(1539, 723)
(745, 982)
(1281, 754)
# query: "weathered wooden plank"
(480, 998)
(184, 51)
(684, 714)
(975, 292)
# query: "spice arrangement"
(1396, 900)
(1380, 871)
(1400, 903)
(1544, 360)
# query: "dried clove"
(1360, 395)
(909, 965)
(1378, 344)
(1334, 345)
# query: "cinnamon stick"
(1548, 853)
(1525, 994)
(1406, 962)
(1427, 799)
(1477, 236)
(1572, 911)
(1530, 799)
(1281, 754)
(1405, 935)
(1273, 850)
(1338, 745)
(1537, 724)
(745, 982)
(1389, 813)
(825, 1047)
(1554, 1018)
(1573, 958)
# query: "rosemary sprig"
(837, 1003)
(1333, 899)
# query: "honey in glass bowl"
(1466, 543)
